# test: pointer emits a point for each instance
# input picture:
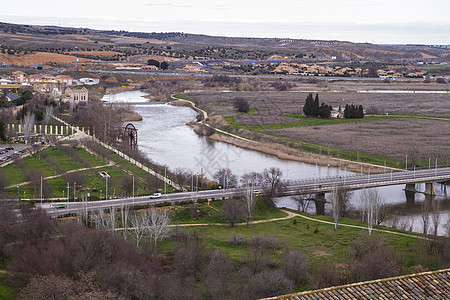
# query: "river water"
(166, 139)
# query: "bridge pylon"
(320, 203)
(429, 188)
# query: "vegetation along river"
(166, 139)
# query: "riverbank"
(287, 153)
(279, 150)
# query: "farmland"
(402, 123)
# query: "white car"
(155, 196)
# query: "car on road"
(155, 196)
(9, 148)
(59, 205)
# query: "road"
(307, 186)
(76, 207)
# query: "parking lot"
(7, 153)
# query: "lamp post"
(18, 195)
(41, 190)
(133, 191)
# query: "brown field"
(388, 138)
(40, 58)
(420, 138)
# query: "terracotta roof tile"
(430, 285)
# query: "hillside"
(16, 38)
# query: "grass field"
(55, 161)
(320, 242)
(6, 291)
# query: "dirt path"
(205, 116)
(291, 215)
(360, 227)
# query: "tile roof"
(427, 285)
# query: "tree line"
(313, 109)
(353, 111)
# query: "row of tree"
(162, 65)
(313, 109)
(353, 111)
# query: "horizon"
(378, 22)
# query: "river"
(166, 139)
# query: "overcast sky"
(378, 21)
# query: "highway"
(306, 186)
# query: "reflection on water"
(166, 139)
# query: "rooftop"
(427, 285)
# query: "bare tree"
(226, 178)
(425, 217)
(181, 176)
(157, 224)
(28, 122)
(124, 212)
(273, 184)
(48, 114)
(269, 283)
(233, 210)
(303, 201)
(371, 201)
(295, 266)
(436, 215)
(258, 248)
(253, 178)
(138, 226)
(249, 194)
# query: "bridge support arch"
(320, 203)
(430, 189)
(411, 187)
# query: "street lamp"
(41, 190)
(18, 196)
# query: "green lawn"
(6, 292)
(93, 182)
(320, 242)
(204, 213)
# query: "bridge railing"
(354, 175)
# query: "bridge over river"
(317, 186)
(354, 182)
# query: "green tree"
(153, 62)
(164, 65)
(308, 107)
(316, 107)
(324, 111)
